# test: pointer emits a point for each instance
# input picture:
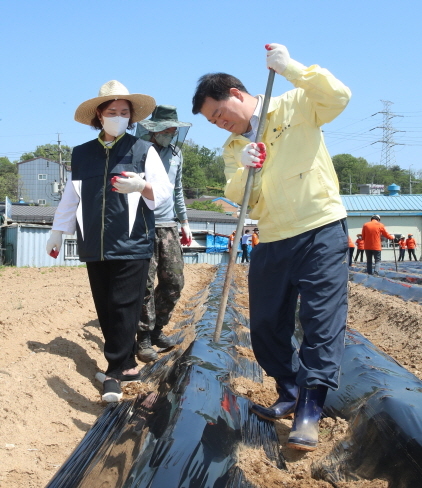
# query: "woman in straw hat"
(117, 181)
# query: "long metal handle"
(395, 258)
(248, 189)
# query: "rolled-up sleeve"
(65, 216)
(156, 175)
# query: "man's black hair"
(216, 86)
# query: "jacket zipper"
(145, 222)
(107, 150)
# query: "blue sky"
(56, 55)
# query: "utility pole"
(59, 187)
(387, 154)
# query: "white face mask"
(115, 126)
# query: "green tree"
(203, 170)
(193, 179)
(6, 167)
(355, 171)
(9, 186)
(208, 205)
(48, 151)
(9, 180)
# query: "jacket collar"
(273, 105)
(109, 146)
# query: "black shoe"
(129, 377)
(145, 351)
(160, 340)
(285, 404)
(112, 391)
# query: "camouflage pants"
(167, 265)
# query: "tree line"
(203, 172)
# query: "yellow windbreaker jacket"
(297, 189)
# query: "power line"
(387, 153)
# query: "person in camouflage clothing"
(167, 134)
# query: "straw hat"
(143, 105)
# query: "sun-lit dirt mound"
(52, 347)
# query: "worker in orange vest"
(231, 239)
(371, 234)
(351, 250)
(360, 243)
(411, 246)
(255, 237)
(402, 248)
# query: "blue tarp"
(221, 244)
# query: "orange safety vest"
(360, 243)
(402, 244)
(351, 243)
(411, 243)
(255, 240)
(371, 234)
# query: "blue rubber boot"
(304, 433)
(285, 403)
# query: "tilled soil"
(52, 347)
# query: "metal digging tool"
(395, 257)
(248, 189)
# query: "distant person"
(411, 247)
(360, 243)
(231, 239)
(351, 250)
(246, 238)
(402, 248)
(255, 237)
(371, 234)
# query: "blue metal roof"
(387, 205)
(226, 200)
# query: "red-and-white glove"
(54, 243)
(132, 182)
(186, 239)
(278, 57)
(253, 155)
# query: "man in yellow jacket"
(303, 236)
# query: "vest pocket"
(306, 191)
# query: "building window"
(71, 249)
(42, 177)
(41, 201)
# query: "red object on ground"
(54, 253)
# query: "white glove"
(54, 241)
(253, 155)
(132, 183)
(186, 239)
(278, 57)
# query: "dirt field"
(52, 348)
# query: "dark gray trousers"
(315, 265)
